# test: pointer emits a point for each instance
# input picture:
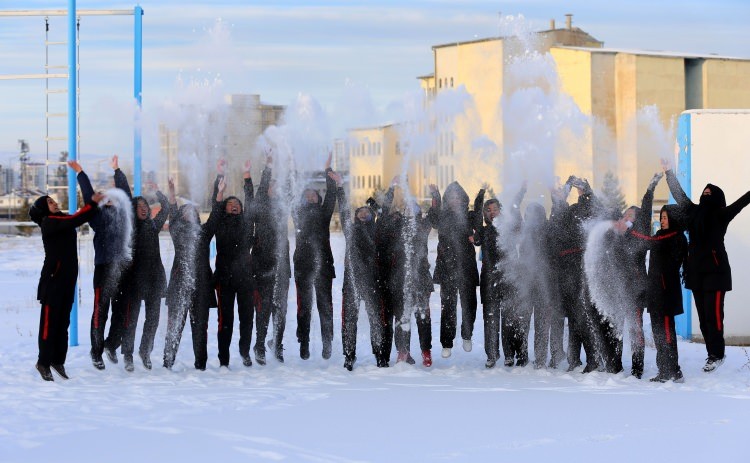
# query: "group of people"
(533, 264)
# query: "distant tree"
(612, 197)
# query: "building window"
(440, 83)
(379, 182)
(398, 148)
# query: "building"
(611, 87)
(189, 152)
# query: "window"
(451, 82)
(379, 182)
(369, 181)
(440, 83)
(398, 148)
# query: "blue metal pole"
(684, 322)
(72, 143)
(137, 93)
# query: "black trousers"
(177, 313)
(665, 338)
(514, 327)
(225, 296)
(449, 295)
(270, 300)
(549, 326)
(323, 288)
(54, 321)
(351, 300)
(612, 331)
(710, 305)
(150, 324)
(403, 308)
(583, 319)
(491, 309)
(106, 294)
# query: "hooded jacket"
(60, 269)
(234, 239)
(456, 258)
(668, 254)
(707, 267)
(312, 252)
(360, 259)
(108, 232)
(190, 277)
(270, 253)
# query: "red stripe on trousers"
(97, 291)
(667, 330)
(299, 301)
(258, 301)
(45, 331)
(718, 310)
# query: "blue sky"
(282, 48)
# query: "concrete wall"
(726, 84)
(718, 155)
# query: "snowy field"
(316, 411)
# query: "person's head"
(310, 196)
(142, 210)
(233, 206)
(42, 207)
(713, 197)
(535, 214)
(189, 213)
(664, 219)
(456, 198)
(625, 222)
(491, 210)
(364, 215)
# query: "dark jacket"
(60, 270)
(569, 236)
(633, 251)
(668, 253)
(360, 258)
(108, 231)
(495, 279)
(190, 280)
(234, 239)
(456, 258)
(270, 253)
(312, 252)
(707, 267)
(402, 246)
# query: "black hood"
(135, 207)
(535, 215)
(224, 205)
(672, 212)
(39, 210)
(181, 212)
(310, 188)
(455, 189)
(715, 200)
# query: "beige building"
(189, 153)
(611, 86)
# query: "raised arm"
(121, 181)
(87, 191)
(55, 223)
(643, 220)
(676, 189)
(249, 193)
(163, 214)
(730, 212)
(329, 203)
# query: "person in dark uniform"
(270, 263)
(145, 280)
(569, 244)
(190, 287)
(405, 271)
(456, 267)
(57, 281)
(233, 271)
(664, 295)
(111, 256)
(313, 264)
(707, 271)
(360, 278)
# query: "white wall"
(720, 154)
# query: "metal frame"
(72, 14)
(684, 322)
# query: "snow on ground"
(316, 411)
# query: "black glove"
(655, 180)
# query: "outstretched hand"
(665, 164)
(221, 166)
(115, 162)
(170, 182)
(75, 166)
(433, 188)
(328, 161)
(336, 177)
(655, 180)
(246, 172)
(97, 197)
(222, 184)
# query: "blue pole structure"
(684, 322)
(137, 93)
(72, 143)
